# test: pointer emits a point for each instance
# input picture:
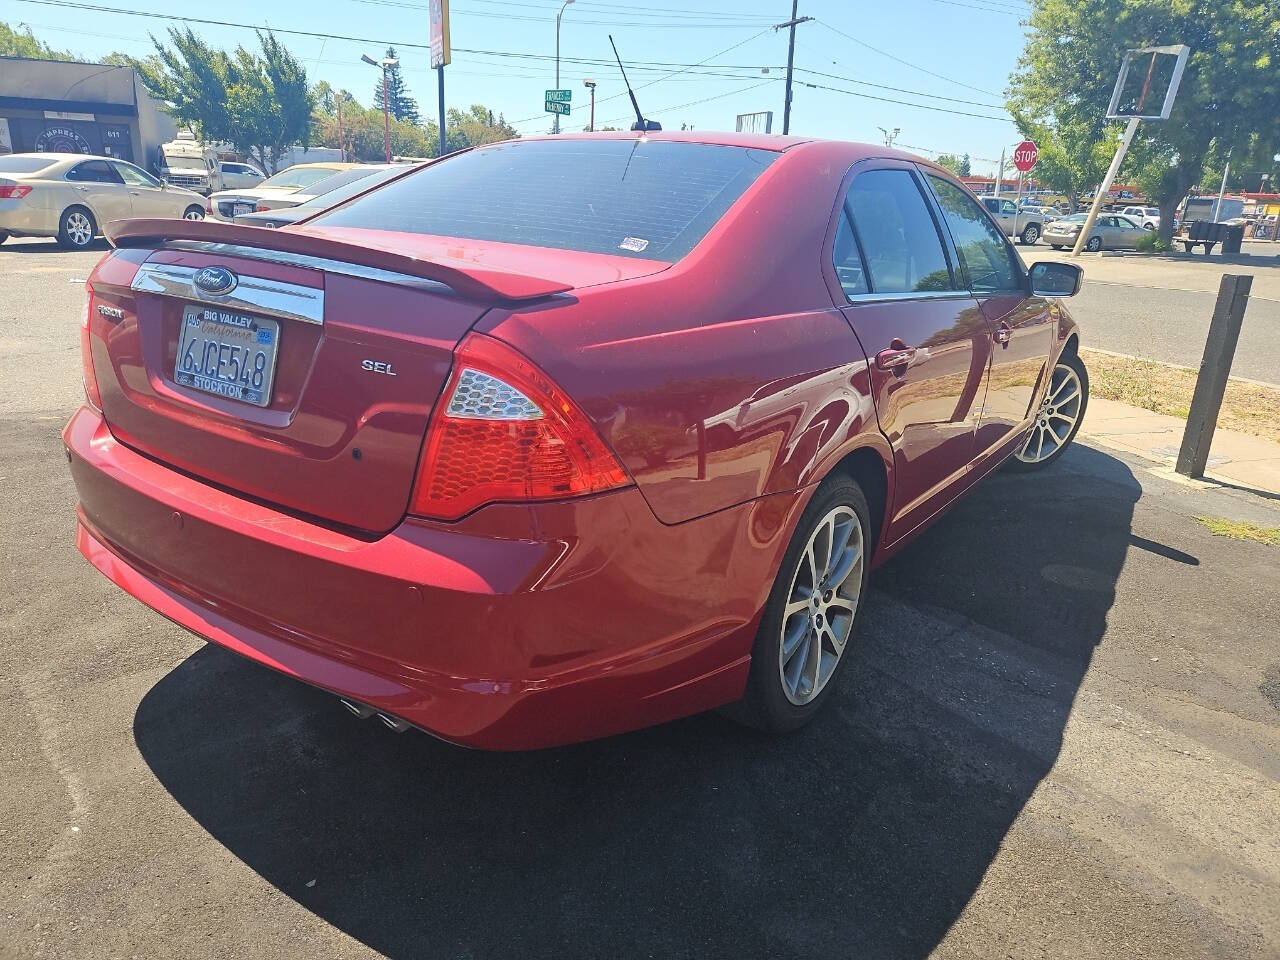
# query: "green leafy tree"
(476, 126)
(1230, 93)
(22, 42)
(949, 161)
(362, 131)
(966, 168)
(403, 106)
(261, 103)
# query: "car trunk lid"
(363, 344)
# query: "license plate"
(239, 208)
(230, 354)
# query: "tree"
(261, 103)
(362, 130)
(23, 43)
(403, 106)
(966, 168)
(1230, 93)
(949, 161)
(476, 126)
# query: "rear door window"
(94, 171)
(898, 235)
(649, 199)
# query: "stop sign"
(1025, 157)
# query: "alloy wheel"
(821, 604)
(1031, 235)
(1056, 419)
(193, 214)
(79, 229)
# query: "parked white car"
(229, 204)
(240, 176)
(70, 196)
(1147, 217)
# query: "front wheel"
(1056, 246)
(193, 213)
(1031, 234)
(1058, 417)
(812, 611)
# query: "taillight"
(261, 207)
(14, 192)
(504, 431)
(208, 206)
(91, 391)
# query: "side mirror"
(1050, 278)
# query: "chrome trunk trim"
(275, 298)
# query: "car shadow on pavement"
(863, 835)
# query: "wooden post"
(1211, 384)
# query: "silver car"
(1111, 231)
(70, 196)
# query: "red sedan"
(557, 438)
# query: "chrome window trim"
(308, 262)
(289, 301)
(910, 295)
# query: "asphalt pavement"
(1058, 735)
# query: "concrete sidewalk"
(1235, 459)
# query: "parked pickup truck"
(1026, 224)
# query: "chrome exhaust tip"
(359, 709)
(394, 723)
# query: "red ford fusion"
(558, 438)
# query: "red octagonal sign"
(1025, 157)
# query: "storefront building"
(51, 106)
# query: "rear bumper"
(517, 628)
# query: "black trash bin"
(1232, 237)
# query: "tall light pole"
(890, 135)
(591, 85)
(385, 63)
(558, 16)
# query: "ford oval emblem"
(216, 280)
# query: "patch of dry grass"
(1247, 407)
(1238, 530)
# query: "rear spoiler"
(477, 283)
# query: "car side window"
(848, 259)
(898, 235)
(93, 171)
(1007, 207)
(984, 252)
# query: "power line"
(883, 53)
(694, 103)
(903, 103)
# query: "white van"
(186, 162)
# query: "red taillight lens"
(208, 206)
(504, 431)
(14, 192)
(91, 392)
(261, 207)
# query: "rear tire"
(798, 654)
(1031, 235)
(76, 228)
(1058, 417)
(1094, 244)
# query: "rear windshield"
(297, 177)
(20, 164)
(649, 199)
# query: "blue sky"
(952, 54)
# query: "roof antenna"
(641, 123)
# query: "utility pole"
(890, 135)
(791, 57)
(342, 140)
(1000, 174)
(1222, 190)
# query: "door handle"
(1003, 335)
(896, 358)
(83, 189)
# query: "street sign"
(1025, 156)
(559, 96)
(555, 106)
